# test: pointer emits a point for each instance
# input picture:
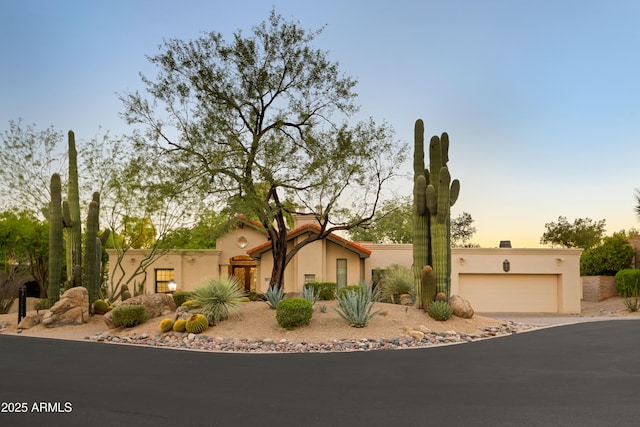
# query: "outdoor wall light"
(172, 285)
(506, 265)
(461, 260)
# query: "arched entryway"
(244, 269)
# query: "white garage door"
(510, 293)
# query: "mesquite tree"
(261, 123)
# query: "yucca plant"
(355, 306)
(218, 298)
(274, 295)
(397, 280)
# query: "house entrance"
(244, 269)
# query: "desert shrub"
(254, 296)
(197, 323)
(323, 308)
(100, 307)
(129, 315)
(439, 310)
(355, 307)
(632, 303)
(273, 296)
(397, 280)
(628, 282)
(180, 297)
(613, 255)
(218, 298)
(294, 312)
(180, 325)
(166, 325)
(310, 294)
(41, 304)
(327, 290)
(350, 288)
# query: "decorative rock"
(71, 309)
(405, 299)
(184, 313)
(31, 320)
(417, 335)
(461, 307)
(155, 305)
(424, 329)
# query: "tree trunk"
(279, 250)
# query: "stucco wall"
(549, 277)
(191, 267)
(538, 279)
(529, 269)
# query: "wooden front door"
(243, 268)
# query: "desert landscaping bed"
(256, 330)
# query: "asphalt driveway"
(578, 375)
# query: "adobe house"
(245, 253)
(492, 279)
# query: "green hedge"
(129, 315)
(350, 288)
(327, 290)
(294, 312)
(613, 255)
(628, 282)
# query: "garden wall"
(598, 288)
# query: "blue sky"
(541, 99)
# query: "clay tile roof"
(313, 228)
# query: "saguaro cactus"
(73, 196)
(434, 194)
(55, 240)
(92, 256)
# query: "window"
(341, 273)
(309, 278)
(163, 277)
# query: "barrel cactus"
(197, 323)
(100, 307)
(166, 325)
(180, 325)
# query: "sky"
(541, 99)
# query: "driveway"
(584, 374)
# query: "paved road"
(580, 375)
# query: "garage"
(511, 292)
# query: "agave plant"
(218, 298)
(310, 294)
(274, 295)
(355, 307)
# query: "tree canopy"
(393, 223)
(583, 233)
(261, 124)
(24, 241)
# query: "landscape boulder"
(405, 299)
(30, 320)
(155, 305)
(461, 307)
(71, 309)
